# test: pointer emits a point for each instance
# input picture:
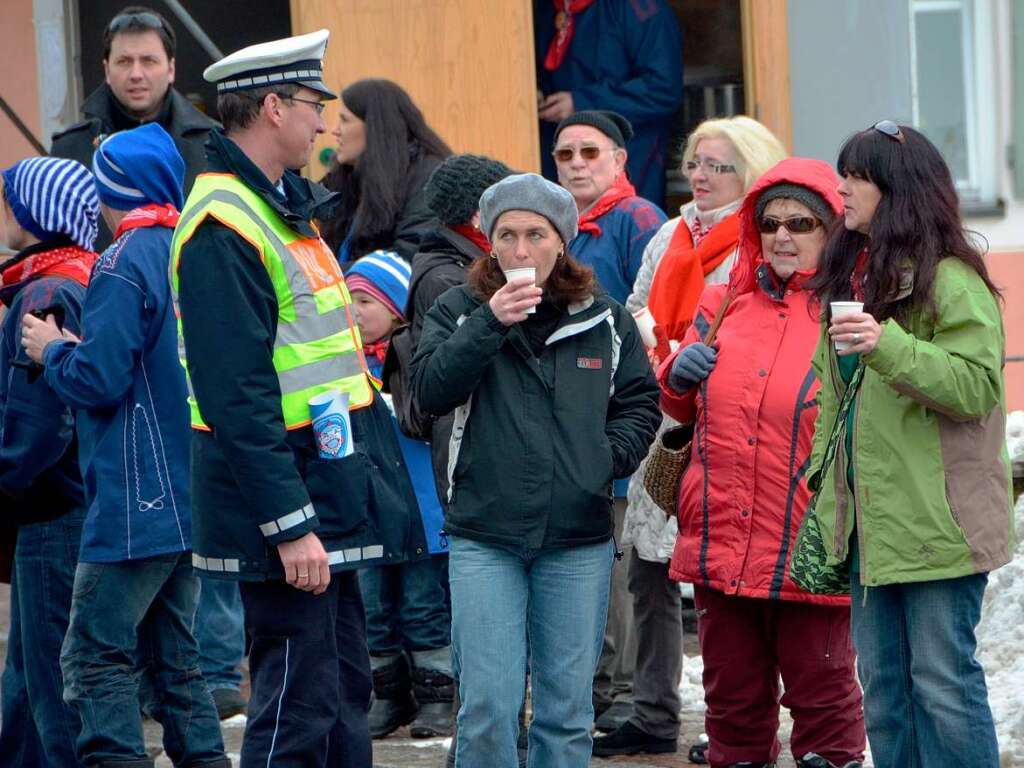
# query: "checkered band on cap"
(52, 196)
(298, 72)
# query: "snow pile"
(691, 686)
(1001, 630)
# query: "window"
(954, 90)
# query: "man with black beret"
(614, 228)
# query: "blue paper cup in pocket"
(331, 424)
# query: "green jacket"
(932, 482)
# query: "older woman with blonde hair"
(722, 160)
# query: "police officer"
(267, 323)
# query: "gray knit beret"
(817, 204)
(530, 192)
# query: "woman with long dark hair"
(917, 498)
(386, 153)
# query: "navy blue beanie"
(139, 167)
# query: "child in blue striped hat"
(407, 615)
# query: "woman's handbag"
(670, 455)
(808, 567)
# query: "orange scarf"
(679, 279)
(620, 190)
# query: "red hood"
(813, 174)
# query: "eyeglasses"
(566, 154)
(707, 165)
(141, 19)
(795, 225)
(317, 105)
(890, 129)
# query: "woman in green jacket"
(917, 499)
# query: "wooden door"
(468, 65)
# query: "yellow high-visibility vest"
(317, 347)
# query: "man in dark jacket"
(40, 482)
(617, 55)
(265, 321)
(138, 65)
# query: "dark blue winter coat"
(626, 56)
(616, 253)
(420, 467)
(39, 476)
(128, 388)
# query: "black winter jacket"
(442, 263)
(536, 439)
(103, 115)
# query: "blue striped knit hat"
(139, 167)
(385, 276)
(53, 196)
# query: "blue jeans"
(557, 598)
(925, 700)
(219, 630)
(406, 607)
(44, 571)
(127, 616)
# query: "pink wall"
(18, 81)
(1007, 270)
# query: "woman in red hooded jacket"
(752, 397)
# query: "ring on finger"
(303, 575)
(856, 338)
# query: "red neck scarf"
(679, 279)
(612, 196)
(377, 349)
(70, 261)
(860, 273)
(565, 25)
(474, 235)
(148, 216)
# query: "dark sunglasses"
(141, 19)
(890, 129)
(565, 154)
(795, 225)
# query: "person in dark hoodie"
(40, 484)
(445, 255)
(266, 321)
(135, 592)
(139, 48)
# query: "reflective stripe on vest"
(317, 344)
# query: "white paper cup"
(645, 322)
(841, 309)
(331, 424)
(519, 272)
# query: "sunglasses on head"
(890, 129)
(795, 225)
(565, 154)
(141, 19)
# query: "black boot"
(627, 739)
(434, 693)
(393, 705)
(813, 760)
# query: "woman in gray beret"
(553, 397)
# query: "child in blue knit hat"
(407, 612)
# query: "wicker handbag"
(670, 454)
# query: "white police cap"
(296, 60)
